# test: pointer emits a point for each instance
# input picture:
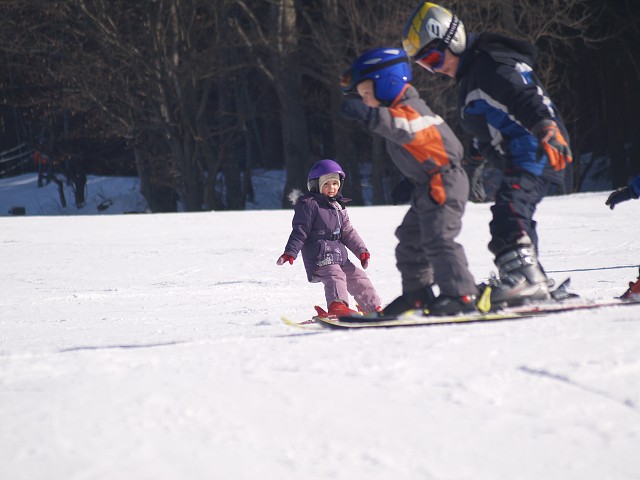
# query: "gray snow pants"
(341, 280)
(427, 251)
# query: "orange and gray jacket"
(419, 142)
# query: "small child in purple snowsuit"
(323, 232)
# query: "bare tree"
(146, 71)
(288, 84)
(155, 54)
(202, 91)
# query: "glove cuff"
(539, 128)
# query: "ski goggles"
(431, 58)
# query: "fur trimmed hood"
(294, 195)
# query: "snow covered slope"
(150, 347)
(104, 195)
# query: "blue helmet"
(389, 68)
(322, 168)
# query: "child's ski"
(562, 301)
(420, 318)
(310, 324)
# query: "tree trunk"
(288, 83)
(160, 197)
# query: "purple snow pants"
(341, 280)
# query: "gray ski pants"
(427, 251)
(341, 280)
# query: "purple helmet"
(320, 168)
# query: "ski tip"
(310, 324)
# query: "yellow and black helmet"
(434, 26)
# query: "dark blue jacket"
(501, 99)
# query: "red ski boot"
(340, 309)
(633, 292)
(320, 312)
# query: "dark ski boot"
(414, 300)
(444, 305)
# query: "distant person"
(620, 195)
(43, 165)
(323, 233)
(505, 108)
(625, 193)
(427, 152)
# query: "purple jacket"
(322, 231)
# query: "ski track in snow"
(568, 381)
(150, 347)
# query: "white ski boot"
(521, 279)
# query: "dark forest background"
(190, 93)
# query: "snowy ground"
(150, 347)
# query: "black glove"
(621, 195)
(402, 192)
(474, 166)
(355, 110)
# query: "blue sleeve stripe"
(504, 128)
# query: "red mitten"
(364, 259)
(284, 258)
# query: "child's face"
(330, 188)
(367, 92)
